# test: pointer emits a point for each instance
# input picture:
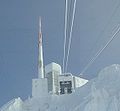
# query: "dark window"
(65, 87)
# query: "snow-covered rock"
(13, 105)
(105, 91)
(17, 105)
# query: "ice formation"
(100, 94)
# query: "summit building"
(51, 80)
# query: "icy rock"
(105, 90)
(109, 78)
(16, 106)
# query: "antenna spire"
(40, 53)
(40, 24)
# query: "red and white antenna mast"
(40, 53)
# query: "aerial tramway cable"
(68, 33)
(113, 14)
(107, 24)
(65, 32)
(70, 37)
(100, 51)
(67, 28)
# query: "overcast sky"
(95, 22)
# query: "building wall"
(52, 71)
(79, 81)
(53, 86)
(39, 87)
(55, 82)
(49, 76)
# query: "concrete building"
(52, 72)
(59, 83)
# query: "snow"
(13, 105)
(17, 105)
(100, 94)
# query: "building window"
(65, 87)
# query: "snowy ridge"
(99, 94)
(6, 106)
(13, 105)
(105, 91)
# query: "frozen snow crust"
(99, 94)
